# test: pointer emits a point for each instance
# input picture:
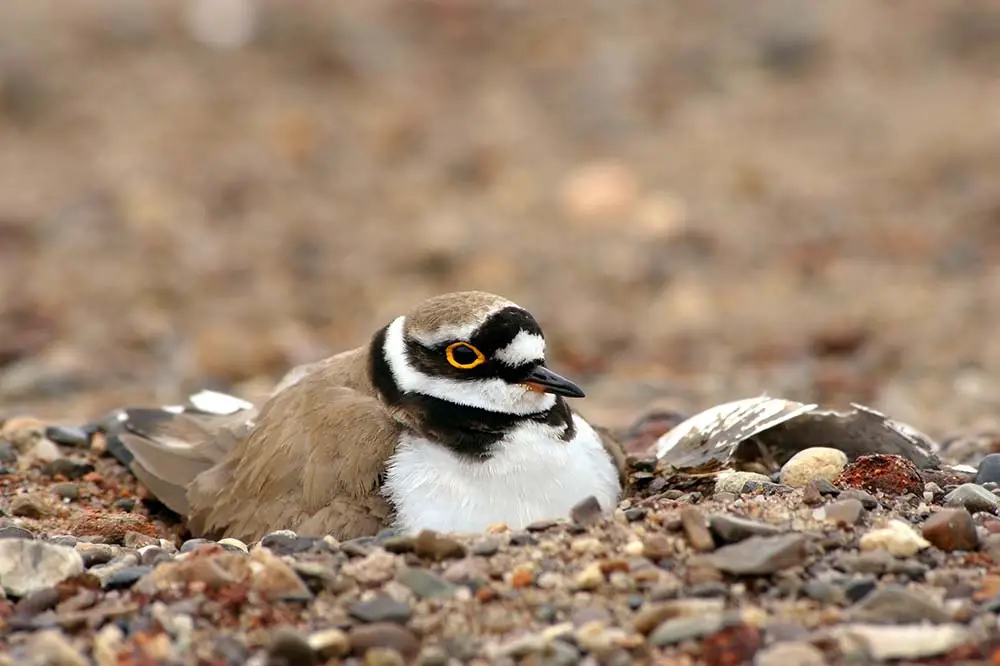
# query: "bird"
(447, 419)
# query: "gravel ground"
(700, 202)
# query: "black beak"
(545, 381)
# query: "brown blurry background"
(699, 201)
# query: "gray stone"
(894, 604)
(760, 555)
(424, 583)
(737, 481)
(790, 654)
(974, 498)
(30, 565)
(731, 529)
(380, 609)
(681, 629)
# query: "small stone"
(288, 647)
(760, 555)
(635, 514)
(790, 654)
(652, 616)
(112, 527)
(951, 529)
(858, 588)
(989, 469)
(364, 637)
(486, 547)
(587, 511)
(736, 482)
(973, 498)
(434, 546)
(67, 491)
(894, 604)
(15, 532)
(27, 565)
(52, 648)
(879, 472)
(818, 462)
(67, 468)
(126, 577)
(192, 544)
(109, 642)
(590, 578)
(95, 554)
(380, 609)
(811, 495)
(466, 571)
(126, 504)
(8, 454)
(68, 435)
(867, 500)
(425, 584)
(286, 542)
(274, 579)
(695, 527)
(730, 529)
(230, 544)
(400, 544)
(883, 643)
(137, 540)
(63, 540)
(375, 568)
(844, 511)
(523, 539)
(682, 629)
(329, 643)
(383, 657)
(657, 547)
(31, 505)
(897, 537)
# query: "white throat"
(494, 395)
(532, 475)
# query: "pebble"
(68, 435)
(526, 539)
(681, 629)
(654, 615)
(880, 472)
(868, 501)
(844, 511)
(192, 544)
(15, 532)
(790, 654)
(8, 454)
(883, 643)
(951, 529)
(286, 542)
(329, 643)
(380, 609)
(818, 462)
(67, 491)
(31, 505)
(973, 498)
(288, 647)
(760, 555)
(468, 570)
(274, 579)
(989, 469)
(635, 514)
(897, 537)
(52, 648)
(731, 529)
(737, 481)
(230, 544)
(126, 504)
(590, 577)
(383, 657)
(431, 545)
(695, 526)
(136, 540)
(364, 637)
(126, 577)
(895, 604)
(399, 544)
(67, 467)
(657, 547)
(486, 547)
(587, 511)
(856, 589)
(425, 584)
(27, 565)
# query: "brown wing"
(311, 464)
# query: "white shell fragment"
(214, 402)
(769, 431)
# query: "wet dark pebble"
(15, 532)
(126, 578)
(125, 504)
(989, 469)
(71, 469)
(858, 588)
(636, 514)
(286, 543)
(68, 435)
(522, 539)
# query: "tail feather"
(168, 447)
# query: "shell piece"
(707, 441)
(768, 431)
(214, 402)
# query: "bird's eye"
(463, 355)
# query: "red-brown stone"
(889, 474)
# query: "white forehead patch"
(524, 348)
(494, 395)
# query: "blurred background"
(699, 201)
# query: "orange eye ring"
(450, 354)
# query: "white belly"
(532, 476)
